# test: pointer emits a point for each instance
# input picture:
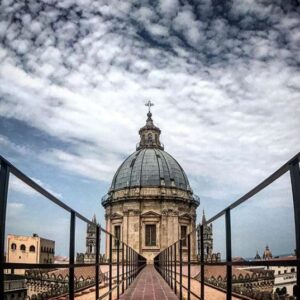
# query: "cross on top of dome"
(149, 104)
(149, 134)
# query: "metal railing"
(176, 262)
(126, 262)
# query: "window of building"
(117, 233)
(23, 247)
(183, 232)
(279, 272)
(295, 290)
(32, 248)
(292, 270)
(13, 246)
(285, 271)
(150, 235)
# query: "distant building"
(285, 277)
(247, 282)
(208, 241)
(14, 287)
(61, 259)
(267, 253)
(48, 284)
(90, 253)
(257, 256)
(29, 249)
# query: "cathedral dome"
(150, 167)
(150, 171)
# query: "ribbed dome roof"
(150, 167)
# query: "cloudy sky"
(224, 77)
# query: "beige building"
(150, 204)
(29, 249)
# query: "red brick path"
(149, 285)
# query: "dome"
(150, 167)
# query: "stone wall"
(167, 213)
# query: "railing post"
(127, 276)
(4, 179)
(180, 269)
(228, 254)
(110, 267)
(166, 265)
(175, 273)
(132, 258)
(97, 260)
(122, 267)
(130, 266)
(118, 265)
(163, 264)
(202, 261)
(135, 264)
(72, 255)
(189, 265)
(171, 261)
(295, 181)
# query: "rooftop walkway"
(149, 285)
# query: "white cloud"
(14, 209)
(19, 186)
(229, 112)
(15, 205)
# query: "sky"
(225, 80)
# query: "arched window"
(295, 290)
(32, 248)
(283, 291)
(23, 247)
(13, 246)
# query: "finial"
(94, 220)
(149, 104)
(203, 217)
